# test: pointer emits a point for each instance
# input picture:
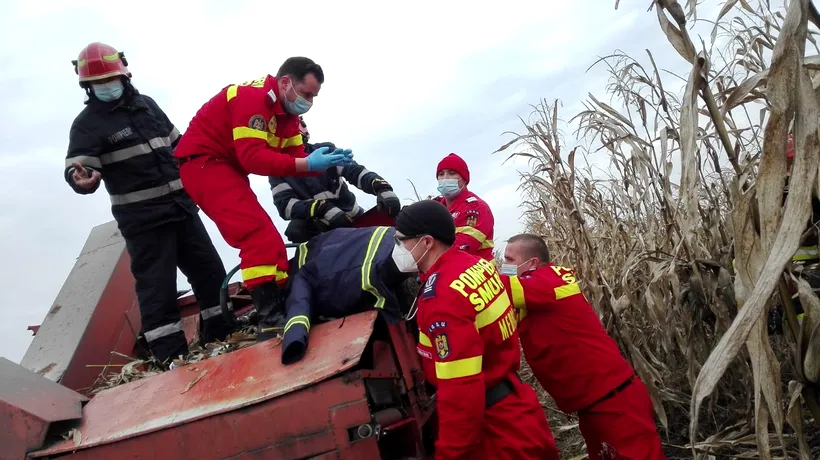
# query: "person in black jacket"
(316, 204)
(123, 138)
(339, 273)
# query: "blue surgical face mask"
(297, 107)
(108, 92)
(449, 188)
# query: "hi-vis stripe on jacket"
(130, 143)
(338, 273)
(474, 224)
(246, 125)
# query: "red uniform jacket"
(246, 125)
(467, 333)
(564, 342)
(474, 224)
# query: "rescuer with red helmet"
(469, 345)
(574, 359)
(253, 128)
(473, 217)
(123, 138)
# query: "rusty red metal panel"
(218, 385)
(297, 425)
(28, 404)
(87, 320)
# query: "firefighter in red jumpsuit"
(469, 345)
(253, 128)
(474, 220)
(574, 359)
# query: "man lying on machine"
(340, 273)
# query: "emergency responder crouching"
(473, 217)
(125, 139)
(339, 273)
(574, 359)
(317, 204)
(253, 128)
(469, 345)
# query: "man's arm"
(542, 289)
(291, 207)
(372, 183)
(458, 353)
(297, 310)
(473, 235)
(252, 149)
(83, 169)
(173, 133)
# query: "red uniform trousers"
(622, 427)
(515, 428)
(224, 194)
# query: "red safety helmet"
(99, 61)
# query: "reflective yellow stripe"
(490, 314)
(800, 317)
(232, 91)
(284, 142)
(313, 207)
(243, 132)
(474, 232)
(263, 270)
(487, 244)
(112, 57)
(567, 290)
(298, 319)
(424, 340)
(303, 250)
(370, 254)
(805, 253)
(518, 299)
(458, 368)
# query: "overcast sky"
(406, 84)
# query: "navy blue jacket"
(339, 273)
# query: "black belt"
(182, 161)
(498, 392)
(612, 393)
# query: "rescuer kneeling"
(339, 273)
(469, 345)
(574, 359)
(253, 128)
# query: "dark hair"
(533, 245)
(298, 67)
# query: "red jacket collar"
(272, 84)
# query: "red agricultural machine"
(359, 393)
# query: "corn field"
(684, 245)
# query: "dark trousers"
(155, 256)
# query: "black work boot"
(267, 298)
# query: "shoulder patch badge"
(257, 122)
(472, 217)
(272, 125)
(429, 287)
(442, 346)
(471, 199)
(455, 215)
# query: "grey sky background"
(405, 85)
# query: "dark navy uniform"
(316, 204)
(338, 273)
(130, 143)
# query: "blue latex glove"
(320, 160)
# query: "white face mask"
(404, 259)
(511, 269)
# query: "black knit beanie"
(427, 217)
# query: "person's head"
(103, 72)
(424, 231)
(453, 175)
(299, 82)
(524, 252)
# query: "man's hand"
(82, 179)
(386, 199)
